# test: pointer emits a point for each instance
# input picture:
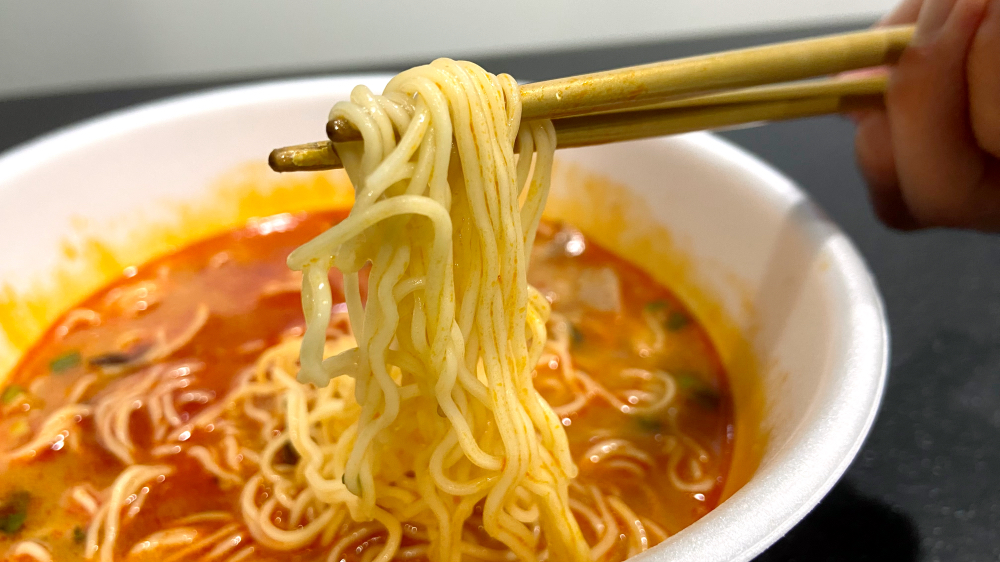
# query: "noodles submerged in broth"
(433, 405)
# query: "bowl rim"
(24, 157)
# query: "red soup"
(104, 397)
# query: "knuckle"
(984, 114)
(965, 212)
(984, 83)
(939, 205)
(988, 138)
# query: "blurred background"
(53, 46)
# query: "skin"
(932, 156)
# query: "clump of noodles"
(451, 331)
(316, 420)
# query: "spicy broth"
(616, 317)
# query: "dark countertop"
(926, 485)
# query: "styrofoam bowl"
(790, 303)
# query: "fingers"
(938, 161)
(904, 13)
(933, 157)
(933, 16)
(873, 147)
(873, 144)
(983, 70)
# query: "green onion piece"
(677, 320)
(655, 306)
(686, 381)
(79, 535)
(11, 393)
(13, 511)
(576, 336)
(699, 391)
(65, 362)
(649, 425)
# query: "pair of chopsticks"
(769, 83)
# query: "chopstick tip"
(280, 160)
(310, 157)
(340, 130)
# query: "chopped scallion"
(677, 320)
(655, 306)
(65, 362)
(14, 511)
(648, 424)
(699, 391)
(11, 393)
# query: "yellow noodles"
(451, 331)
(106, 526)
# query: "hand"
(932, 156)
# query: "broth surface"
(236, 292)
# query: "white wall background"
(61, 45)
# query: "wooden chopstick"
(770, 64)
(713, 111)
(636, 86)
(684, 95)
(869, 84)
(309, 157)
(631, 125)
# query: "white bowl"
(788, 300)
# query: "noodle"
(449, 314)
(181, 536)
(638, 542)
(30, 550)
(108, 519)
(54, 433)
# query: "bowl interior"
(787, 299)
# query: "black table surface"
(926, 485)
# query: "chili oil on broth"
(198, 319)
